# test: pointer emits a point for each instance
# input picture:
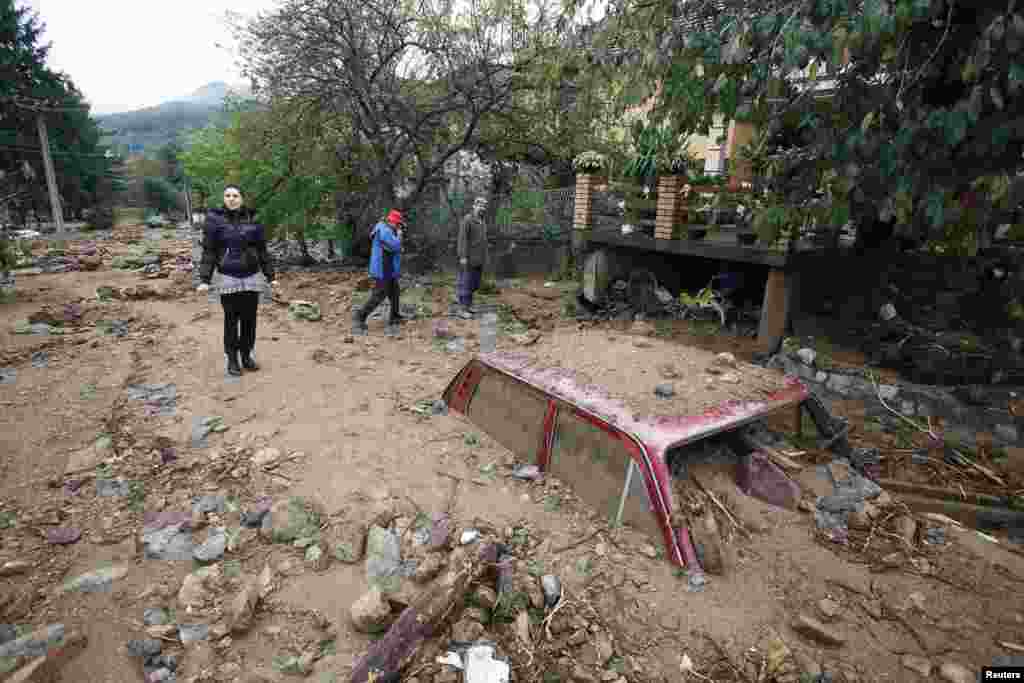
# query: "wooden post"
(778, 297)
(51, 177)
(669, 205)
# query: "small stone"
(467, 631)
(956, 673)
(665, 390)
(469, 536)
(527, 473)
(486, 597)
(829, 608)
(243, 607)
(195, 588)
(192, 633)
(63, 535)
(155, 616)
(893, 560)
(726, 360)
(162, 631)
(605, 647)
(15, 567)
(213, 548)
(475, 614)
(807, 356)
(35, 644)
(100, 580)
(812, 628)
(552, 587)
(144, 648)
(918, 664)
(265, 457)
(906, 528)
(429, 568)
(668, 371)
(371, 612)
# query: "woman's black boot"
(233, 368)
(248, 363)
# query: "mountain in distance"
(145, 130)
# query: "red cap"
(395, 217)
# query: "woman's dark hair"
(234, 187)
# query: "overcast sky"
(128, 54)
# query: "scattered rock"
(198, 586)
(486, 597)
(15, 567)
(112, 488)
(814, 629)
(668, 371)
(807, 356)
(289, 520)
(527, 473)
(829, 608)
(664, 391)
(265, 457)
(956, 673)
(552, 587)
(253, 517)
(726, 360)
(918, 664)
(906, 528)
(469, 536)
(155, 616)
(467, 631)
(370, 613)
(144, 648)
(242, 609)
(210, 503)
(192, 633)
(212, 549)
(169, 542)
(35, 644)
(96, 581)
(605, 647)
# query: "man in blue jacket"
(385, 269)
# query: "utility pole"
(51, 177)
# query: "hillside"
(145, 130)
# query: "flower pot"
(696, 233)
(746, 238)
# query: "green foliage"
(160, 194)
(919, 127)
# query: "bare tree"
(412, 81)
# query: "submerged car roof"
(656, 431)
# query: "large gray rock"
(370, 613)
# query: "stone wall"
(961, 422)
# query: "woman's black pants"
(239, 321)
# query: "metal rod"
(625, 492)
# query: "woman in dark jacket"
(236, 245)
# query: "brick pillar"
(670, 204)
(583, 211)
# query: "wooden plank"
(775, 312)
(713, 248)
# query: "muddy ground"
(348, 419)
